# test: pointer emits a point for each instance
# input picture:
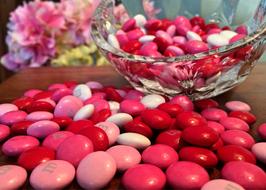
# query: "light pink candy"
(12, 177)
(237, 137)
(132, 107)
(134, 95)
(5, 108)
(112, 130)
(68, 106)
(176, 50)
(234, 123)
(237, 106)
(183, 101)
(148, 46)
(60, 93)
(219, 128)
(179, 40)
(55, 139)
(213, 114)
(171, 30)
(32, 92)
(124, 156)
(262, 131)
(259, 150)
(4, 132)
(94, 85)
(165, 36)
(221, 184)
(12, 117)
(42, 129)
(18, 144)
(53, 174)
(39, 115)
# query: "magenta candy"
(39, 115)
(134, 95)
(54, 140)
(132, 107)
(237, 106)
(74, 148)
(248, 175)
(96, 170)
(159, 155)
(41, 129)
(234, 123)
(195, 46)
(238, 137)
(213, 114)
(12, 177)
(4, 132)
(95, 97)
(67, 106)
(124, 156)
(144, 176)
(134, 34)
(186, 175)
(262, 131)
(183, 101)
(5, 108)
(16, 145)
(221, 184)
(242, 29)
(129, 25)
(60, 93)
(122, 39)
(12, 117)
(215, 126)
(53, 174)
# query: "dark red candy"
(70, 84)
(170, 137)
(97, 136)
(201, 156)
(190, 119)
(113, 95)
(211, 26)
(136, 126)
(43, 95)
(162, 43)
(244, 52)
(131, 46)
(153, 24)
(63, 122)
(206, 103)
(197, 20)
(76, 126)
(165, 24)
(21, 127)
(23, 103)
(235, 153)
(245, 116)
(40, 106)
(217, 145)
(35, 156)
(200, 136)
(172, 109)
(206, 69)
(156, 119)
(100, 116)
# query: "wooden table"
(252, 91)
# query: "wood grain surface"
(252, 91)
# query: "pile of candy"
(93, 132)
(170, 38)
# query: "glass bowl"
(201, 75)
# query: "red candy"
(40, 106)
(23, 103)
(170, 137)
(21, 127)
(206, 103)
(100, 116)
(63, 122)
(190, 119)
(76, 126)
(136, 126)
(172, 109)
(156, 119)
(245, 116)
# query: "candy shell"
(172, 109)
(183, 101)
(111, 130)
(20, 128)
(5, 108)
(245, 116)
(101, 116)
(12, 117)
(41, 129)
(213, 114)
(84, 112)
(124, 156)
(63, 122)
(76, 126)
(131, 107)
(52, 141)
(136, 126)
(169, 137)
(259, 150)
(221, 184)
(4, 132)
(60, 93)
(120, 119)
(39, 115)
(156, 119)
(40, 105)
(238, 137)
(216, 126)
(152, 101)
(237, 106)
(22, 103)
(53, 174)
(262, 131)
(190, 119)
(96, 170)
(67, 106)
(234, 123)
(133, 139)
(82, 91)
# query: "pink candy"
(237, 106)
(234, 123)
(214, 114)
(4, 132)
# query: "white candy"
(259, 149)
(133, 139)
(146, 38)
(228, 34)
(84, 112)
(112, 40)
(82, 91)
(140, 20)
(152, 101)
(217, 40)
(114, 106)
(193, 36)
(120, 119)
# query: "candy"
(144, 176)
(245, 116)
(94, 85)
(248, 175)
(186, 175)
(41, 129)
(259, 150)
(132, 107)
(214, 114)
(262, 131)
(100, 116)
(234, 123)
(136, 126)
(228, 34)
(169, 137)
(124, 156)
(76, 126)
(235, 153)
(190, 119)
(31, 158)
(237, 106)
(12, 177)
(5, 108)
(221, 184)
(193, 36)
(200, 136)
(39, 115)
(18, 144)
(165, 155)
(112, 40)
(133, 139)
(201, 156)
(4, 132)
(172, 109)
(63, 122)
(217, 40)
(82, 92)
(12, 117)
(156, 119)
(53, 140)
(32, 92)
(134, 95)
(96, 170)
(20, 128)
(100, 104)
(206, 103)
(53, 174)
(120, 119)
(238, 137)
(67, 106)
(111, 130)
(183, 101)
(74, 148)
(195, 46)
(84, 112)
(114, 106)
(22, 103)
(217, 127)
(140, 20)
(60, 93)
(152, 101)
(129, 25)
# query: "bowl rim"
(101, 42)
